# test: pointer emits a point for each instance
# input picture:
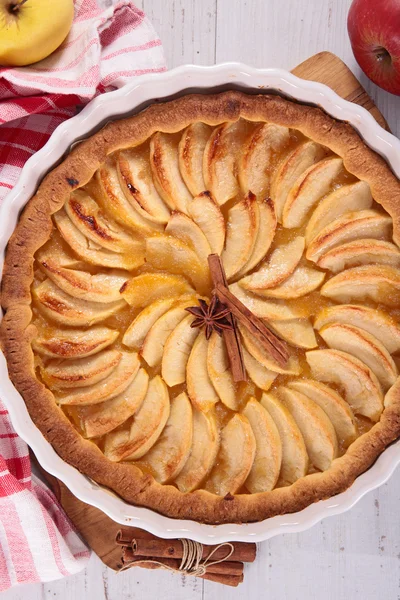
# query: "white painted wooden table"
(356, 555)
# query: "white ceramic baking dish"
(143, 91)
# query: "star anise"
(213, 316)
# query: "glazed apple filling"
(305, 247)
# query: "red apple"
(374, 30)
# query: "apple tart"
(137, 391)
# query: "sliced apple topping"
(241, 235)
(360, 252)
(291, 168)
(154, 342)
(99, 419)
(279, 266)
(302, 281)
(317, 430)
(220, 160)
(361, 387)
(170, 254)
(107, 388)
(167, 457)
(203, 452)
(363, 346)
(337, 409)
(135, 334)
(374, 321)
(146, 427)
(309, 188)
(185, 229)
(257, 352)
(258, 152)
(379, 283)
(348, 198)
(177, 350)
(137, 184)
(260, 375)
(298, 333)
(235, 457)
(206, 213)
(92, 252)
(74, 343)
(191, 151)
(148, 287)
(349, 227)
(220, 373)
(199, 385)
(66, 310)
(294, 453)
(81, 372)
(265, 309)
(164, 160)
(267, 462)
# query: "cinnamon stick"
(231, 336)
(223, 568)
(267, 339)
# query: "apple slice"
(133, 167)
(219, 371)
(102, 418)
(148, 287)
(265, 309)
(337, 409)
(374, 321)
(294, 454)
(170, 254)
(379, 283)
(167, 457)
(199, 385)
(107, 388)
(265, 235)
(112, 197)
(317, 430)
(302, 281)
(81, 372)
(279, 266)
(363, 346)
(257, 352)
(146, 428)
(235, 457)
(308, 189)
(95, 224)
(360, 252)
(177, 350)
(66, 310)
(298, 333)
(166, 174)
(206, 213)
(348, 198)
(92, 252)
(154, 342)
(361, 387)
(73, 343)
(203, 453)
(241, 235)
(259, 150)
(185, 229)
(351, 226)
(260, 375)
(267, 462)
(135, 334)
(191, 151)
(291, 168)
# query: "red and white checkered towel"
(103, 51)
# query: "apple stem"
(16, 7)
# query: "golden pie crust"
(33, 231)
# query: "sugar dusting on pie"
(306, 247)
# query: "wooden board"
(96, 528)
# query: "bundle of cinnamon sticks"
(151, 552)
